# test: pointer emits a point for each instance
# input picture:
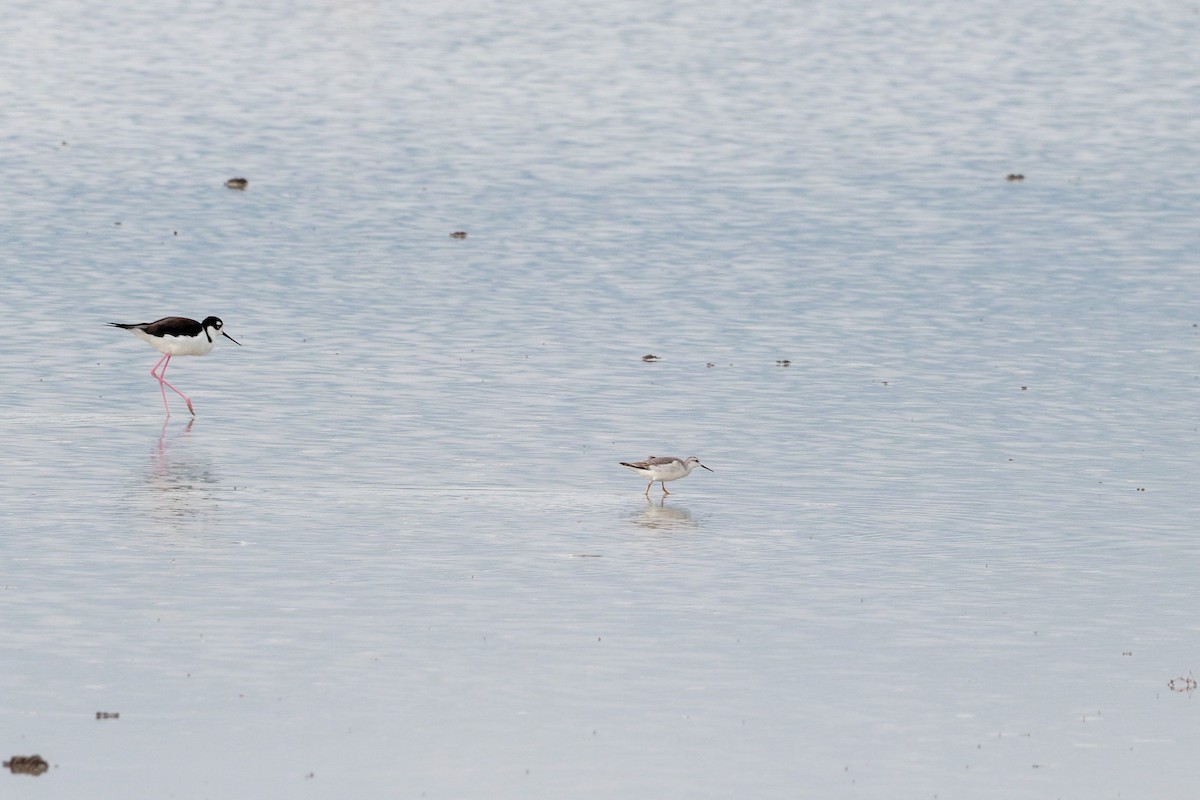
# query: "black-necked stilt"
(176, 336)
(663, 469)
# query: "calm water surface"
(949, 551)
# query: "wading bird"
(176, 336)
(663, 469)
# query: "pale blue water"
(395, 552)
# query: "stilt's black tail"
(126, 325)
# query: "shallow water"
(949, 550)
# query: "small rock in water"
(1015, 177)
(651, 357)
(783, 362)
(237, 183)
(108, 715)
(458, 235)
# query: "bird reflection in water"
(163, 442)
(660, 516)
(182, 481)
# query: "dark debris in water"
(783, 362)
(237, 183)
(1184, 683)
(108, 715)
(650, 357)
(27, 765)
(1015, 177)
(458, 235)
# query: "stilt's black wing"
(167, 326)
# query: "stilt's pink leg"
(154, 374)
(163, 380)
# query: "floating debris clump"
(27, 765)
(1182, 684)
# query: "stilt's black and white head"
(216, 325)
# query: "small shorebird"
(663, 469)
(176, 336)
